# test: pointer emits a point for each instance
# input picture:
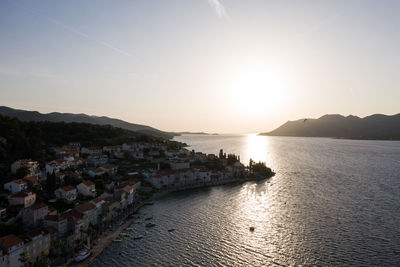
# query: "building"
(87, 188)
(67, 192)
(59, 222)
(24, 198)
(31, 180)
(33, 216)
(98, 160)
(177, 164)
(31, 165)
(94, 150)
(110, 169)
(96, 172)
(12, 247)
(112, 149)
(88, 211)
(36, 245)
(16, 186)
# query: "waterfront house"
(59, 222)
(24, 198)
(33, 216)
(88, 211)
(16, 186)
(178, 164)
(36, 244)
(67, 192)
(87, 188)
(12, 247)
(98, 160)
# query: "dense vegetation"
(33, 139)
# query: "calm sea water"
(332, 203)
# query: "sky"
(201, 65)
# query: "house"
(87, 188)
(110, 169)
(31, 165)
(67, 192)
(60, 152)
(57, 165)
(94, 150)
(31, 180)
(112, 149)
(75, 144)
(98, 202)
(137, 154)
(59, 222)
(97, 160)
(96, 172)
(36, 244)
(162, 178)
(12, 248)
(16, 186)
(3, 213)
(202, 174)
(24, 198)
(170, 153)
(177, 164)
(88, 211)
(33, 216)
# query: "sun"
(258, 91)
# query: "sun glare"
(256, 91)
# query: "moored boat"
(83, 254)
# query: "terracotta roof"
(88, 183)
(22, 194)
(51, 230)
(67, 188)
(108, 166)
(19, 181)
(31, 179)
(54, 218)
(71, 217)
(85, 207)
(37, 206)
(9, 241)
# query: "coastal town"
(54, 213)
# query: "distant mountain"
(378, 126)
(25, 115)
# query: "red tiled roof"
(88, 183)
(85, 207)
(19, 181)
(31, 179)
(54, 218)
(51, 230)
(22, 194)
(67, 188)
(9, 241)
(37, 206)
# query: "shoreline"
(103, 242)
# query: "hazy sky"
(201, 65)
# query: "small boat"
(150, 224)
(148, 218)
(83, 254)
(171, 230)
(129, 228)
(117, 240)
(149, 203)
(138, 237)
(252, 228)
(124, 234)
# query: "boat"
(171, 230)
(149, 203)
(252, 228)
(150, 224)
(138, 237)
(148, 218)
(124, 234)
(117, 240)
(83, 254)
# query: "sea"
(332, 202)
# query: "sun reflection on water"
(257, 148)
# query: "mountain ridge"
(376, 126)
(26, 115)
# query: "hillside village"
(49, 211)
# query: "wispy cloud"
(218, 8)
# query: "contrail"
(218, 7)
(77, 32)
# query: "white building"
(87, 188)
(16, 186)
(12, 247)
(66, 192)
(177, 164)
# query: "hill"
(25, 115)
(377, 127)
